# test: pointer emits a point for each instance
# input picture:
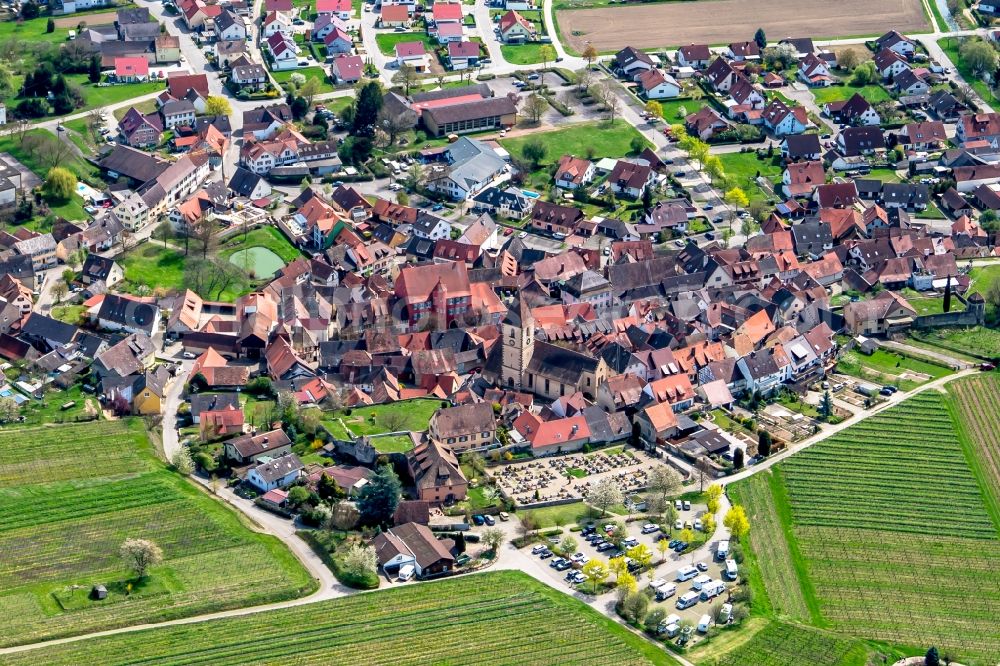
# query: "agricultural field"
(64, 522)
(498, 618)
(889, 529)
(974, 403)
(780, 644)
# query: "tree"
(662, 482)
(567, 546)
(738, 459)
(662, 546)
(406, 77)
(714, 168)
(534, 106)
(474, 461)
(637, 144)
(596, 572)
(781, 56)
(379, 498)
(714, 492)
(203, 232)
(590, 54)
(218, 106)
(164, 231)
(932, 658)
(864, 74)
(826, 405)
(625, 584)
(848, 59)
(359, 561)
(686, 535)
(298, 496)
(641, 554)
(140, 555)
(392, 125)
(736, 521)
(547, 54)
(94, 69)
(708, 523)
(526, 524)
(534, 151)
(29, 10)
(634, 606)
(654, 108)
(654, 619)
(60, 184)
(50, 25)
(366, 109)
(737, 197)
(493, 538)
(617, 566)
(299, 107)
(764, 441)
(760, 38)
(182, 461)
(979, 56)
(59, 291)
(604, 494)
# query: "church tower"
(518, 345)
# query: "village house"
(464, 427)
(436, 473)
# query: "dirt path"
(677, 23)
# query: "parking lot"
(663, 572)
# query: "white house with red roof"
(515, 29)
(131, 69)
(654, 84)
(462, 54)
(347, 68)
(413, 54)
(394, 16)
(342, 9)
(338, 41)
(275, 22)
(284, 52)
(814, 71)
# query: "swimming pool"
(530, 194)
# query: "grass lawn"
(950, 46)
(405, 415)
(392, 443)
(925, 305)
(50, 408)
(744, 168)
(154, 266)
(64, 524)
(285, 76)
(95, 96)
(672, 109)
(979, 341)
(872, 93)
(147, 106)
(269, 237)
(885, 174)
(387, 41)
(35, 160)
(603, 139)
(522, 54)
(982, 277)
(561, 515)
(71, 314)
(472, 619)
(886, 367)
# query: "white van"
(686, 573)
(406, 572)
(700, 582)
(678, 505)
(653, 584)
(665, 591)
(687, 600)
(704, 623)
(725, 613)
(671, 626)
(712, 590)
(731, 570)
(722, 551)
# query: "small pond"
(258, 261)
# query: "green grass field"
(672, 109)
(285, 76)
(887, 367)
(792, 645)
(579, 139)
(498, 618)
(887, 531)
(269, 237)
(413, 415)
(522, 54)
(70, 495)
(387, 41)
(872, 93)
(743, 168)
(979, 341)
(950, 46)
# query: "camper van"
(665, 591)
(722, 551)
(731, 570)
(671, 626)
(406, 572)
(686, 573)
(712, 590)
(687, 600)
(704, 623)
(725, 613)
(700, 582)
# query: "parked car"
(504, 516)
(678, 524)
(537, 550)
(556, 562)
(702, 566)
(478, 520)
(687, 505)
(545, 554)
(490, 520)
(649, 528)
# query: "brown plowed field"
(723, 21)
